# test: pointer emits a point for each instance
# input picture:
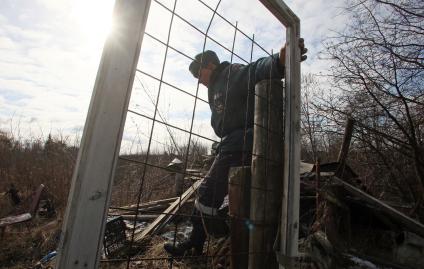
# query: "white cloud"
(7, 43)
(47, 68)
(49, 60)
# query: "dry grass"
(155, 257)
(22, 247)
(27, 164)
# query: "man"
(231, 91)
(14, 194)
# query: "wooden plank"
(147, 204)
(85, 217)
(305, 167)
(172, 209)
(413, 225)
(149, 209)
(317, 185)
(149, 217)
(15, 219)
(344, 149)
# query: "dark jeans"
(211, 194)
(214, 187)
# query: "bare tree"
(317, 131)
(379, 70)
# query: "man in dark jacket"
(231, 89)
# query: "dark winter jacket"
(231, 99)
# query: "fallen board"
(15, 219)
(411, 224)
(165, 216)
(151, 203)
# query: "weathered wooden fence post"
(267, 173)
(176, 169)
(239, 207)
(344, 149)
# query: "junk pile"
(349, 225)
(341, 225)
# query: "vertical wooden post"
(344, 149)
(317, 184)
(86, 213)
(267, 173)
(176, 169)
(178, 183)
(239, 207)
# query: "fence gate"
(147, 109)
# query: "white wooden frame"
(84, 223)
(290, 206)
(85, 217)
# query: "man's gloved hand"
(303, 52)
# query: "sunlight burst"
(94, 18)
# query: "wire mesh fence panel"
(190, 121)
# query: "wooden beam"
(149, 217)
(344, 149)
(143, 209)
(146, 209)
(85, 217)
(412, 225)
(317, 185)
(165, 217)
(147, 204)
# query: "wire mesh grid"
(157, 129)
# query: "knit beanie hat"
(202, 60)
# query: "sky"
(50, 51)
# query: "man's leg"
(211, 194)
(195, 241)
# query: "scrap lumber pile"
(148, 219)
(341, 225)
(348, 222)
(146, 211)
(168, 214)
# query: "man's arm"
(267, 68)
(272, 67)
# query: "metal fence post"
(85, 217)
(290, 205)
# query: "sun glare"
(94, 18)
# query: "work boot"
(193, 246)
(185, 248)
